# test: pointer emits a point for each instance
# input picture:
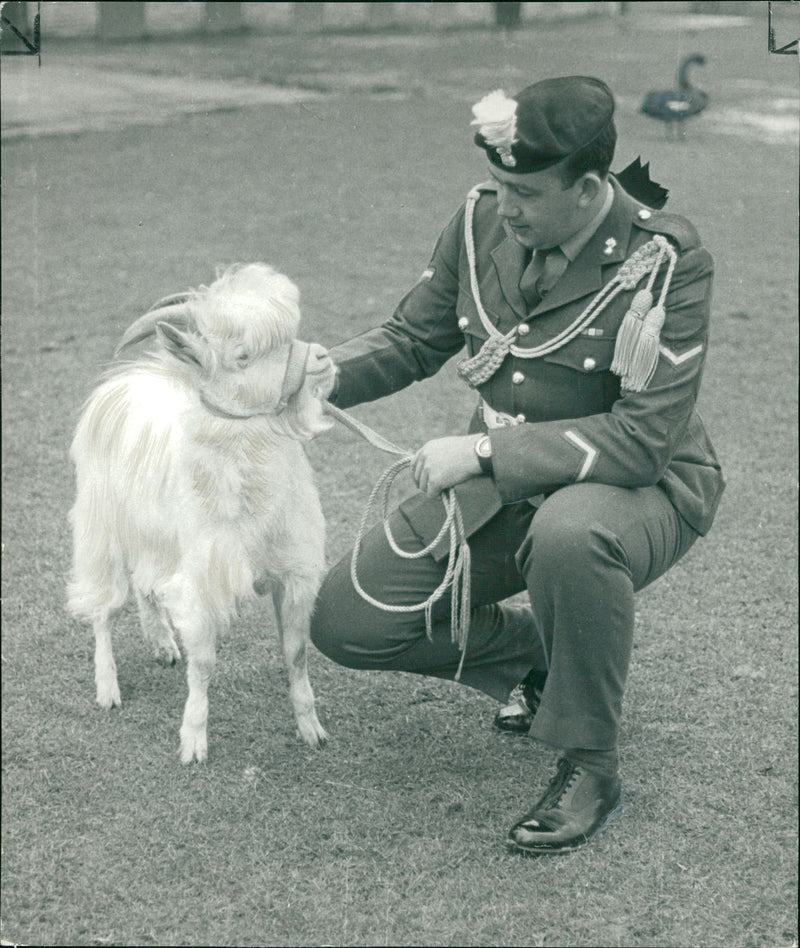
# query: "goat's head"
(236, 336)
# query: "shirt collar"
(574, 244)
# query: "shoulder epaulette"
(677, 228)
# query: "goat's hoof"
(108, 697)
(193, 747)
(167, 653)
(189, 755)
(313, 733)
(167, 659)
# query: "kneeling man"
(585, 472)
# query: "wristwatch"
(483, 449)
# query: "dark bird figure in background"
(677, 105)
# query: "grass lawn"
(394, 833)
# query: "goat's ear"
(177, 314)
(180, 344)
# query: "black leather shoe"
(577, 804)
(516, 717)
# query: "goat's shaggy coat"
(193, 487)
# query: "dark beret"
(544, 123)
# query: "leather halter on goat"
(293, 379)
(295, 373)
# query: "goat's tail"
(98, 583)
(122, 466)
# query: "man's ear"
(591, 185)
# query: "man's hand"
(320, 371)
(445, 462)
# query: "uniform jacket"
(574, 421)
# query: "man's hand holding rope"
(445, 462)
(439, 464)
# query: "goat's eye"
(242, 359)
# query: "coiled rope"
(457, 575)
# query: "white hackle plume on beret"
(496, 118)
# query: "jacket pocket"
(586, 354)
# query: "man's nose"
(506, 206)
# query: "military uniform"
(576, 423)
(598, 484)
(563, 419)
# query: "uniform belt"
(497, 419)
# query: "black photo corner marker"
(17, 36)
(783, 30)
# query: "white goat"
(193, 486)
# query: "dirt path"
(65, 98)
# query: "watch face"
(484, 447)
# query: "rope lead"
(457, 575)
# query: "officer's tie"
(541, 275)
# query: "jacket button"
(523, 329)
(518, 378)
(644, 214)
(520, 419)
(589, 364)
(463, 323)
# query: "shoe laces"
(566, 775)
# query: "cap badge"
(506, 157)
(496, 118)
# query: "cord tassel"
(644, 359)
(629, 332)
(636, 351)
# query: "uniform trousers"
(581, 555)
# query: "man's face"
(536, 208)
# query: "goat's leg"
(201, 657)
(294, 600)
(198, 635)
(157, 629)
(105, 668)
